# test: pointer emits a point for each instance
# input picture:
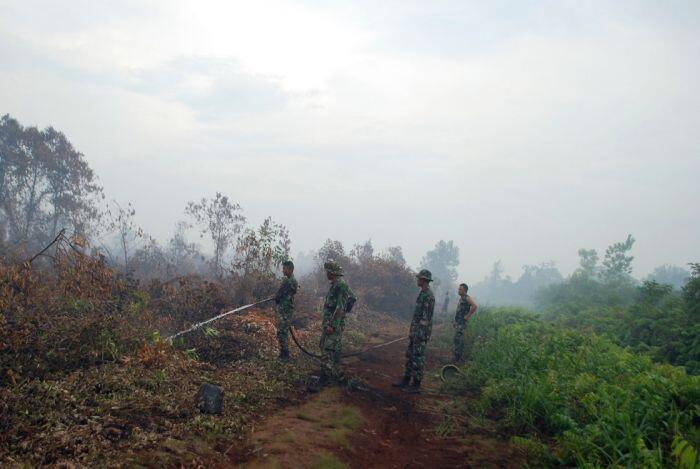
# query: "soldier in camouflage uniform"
(465, 309)
(421, 327)
(334, 308)
(285, 306)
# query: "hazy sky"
(520, 130)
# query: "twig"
(57, 239)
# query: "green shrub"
(604, 405)
(655, 320)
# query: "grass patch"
(340, 437)
(346, 421)
(306, 417)
(348, 418)
(328, 461)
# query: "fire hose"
(200, 324)
(291, 331)
(345, 355)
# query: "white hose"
(200, 324)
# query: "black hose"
(301, 347)
(353, 354)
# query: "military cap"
(332, 267)
(425, 274)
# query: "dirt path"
(374, 426)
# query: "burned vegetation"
(601, 372)
(87, 299)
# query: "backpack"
(352, 299)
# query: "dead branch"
(57, 239)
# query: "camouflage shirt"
(462, 309)
(285, 295)
(422, 323)
(336, 299)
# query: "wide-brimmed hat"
(425, 274)
(332, 267)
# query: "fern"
(684, 453)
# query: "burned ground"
(141, 410)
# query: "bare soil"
(372, 424)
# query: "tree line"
(613, 273)
(47, 186)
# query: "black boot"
(403, 383)
(284, 355)
(414, 388)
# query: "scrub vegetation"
(597, 369)
(595, 386)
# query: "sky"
(523, 131)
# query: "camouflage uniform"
(285, 309)
(460, 324)
(421, 327)
(334, 306)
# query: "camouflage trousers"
(331, 350)
(284, 320)
(415, 358)
(458, 350)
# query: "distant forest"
(529, 289)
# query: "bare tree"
(120, 221)
(221, 219)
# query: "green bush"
(654, 320)
(605, 406)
